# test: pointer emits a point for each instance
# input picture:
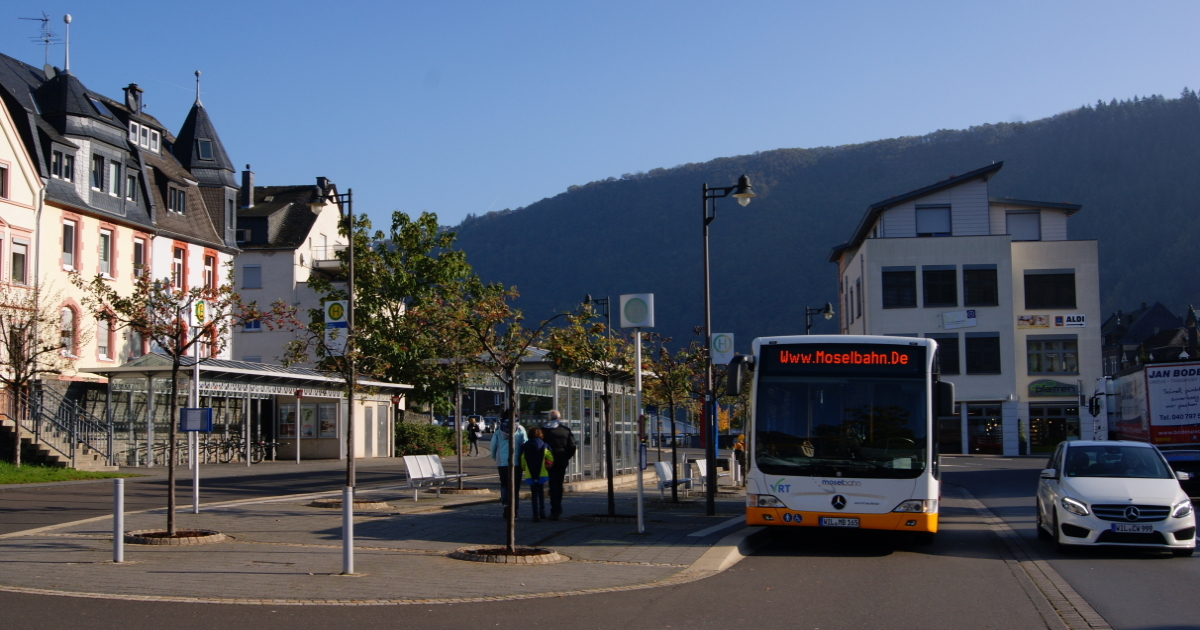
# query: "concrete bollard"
(118, 520)
(348, 530)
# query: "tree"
(485, 314)
(32, 346)
(176, 320)
(668, 381)
(584, 345)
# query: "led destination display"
(843, 358)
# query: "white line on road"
(716, 528)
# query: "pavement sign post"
(637, 312)
(193, 421)
(118, 520)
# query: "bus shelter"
(288, 407)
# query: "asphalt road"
(809, 579)
(1131, 589)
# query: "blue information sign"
(196, 419)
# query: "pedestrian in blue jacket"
(510, 474)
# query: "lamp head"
(587, 299)
(318, 199)
(743, 193)
(828, 312)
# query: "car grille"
(1153, 538)
(1147, 513)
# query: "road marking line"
(1072, 610)
(716, 528)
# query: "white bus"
(841, 432)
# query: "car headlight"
(763, 501)
(920, 506)
(1075, 506)
(1182, 509)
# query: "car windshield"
(1136, 462)
(856, 427)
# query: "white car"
(1114, 493)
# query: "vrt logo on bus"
(779, 486)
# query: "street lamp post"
(345, 204)
(809, 312)
(742, 192)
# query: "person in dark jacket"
(536, 462)
(561, 443)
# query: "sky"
(470, 107)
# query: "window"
(154, 141)
(1049, 288)
(56, 164)
(3, 182)
(139, 257)
(67, 332)
(933, 221)
(1052, 354)
(983, 353)
(145, 140)
(204, 148)
(176, 199)
(106, 252)
(253, 325)
(899, 287)
(114, 178)
(68, 245)
(20, 261)
(103, 338)
(100, 108)
(133, 132)
(980, 287)
(210, 272)
(850, 305)
(178, 268)
(136, 344)
(940, 285)
(252, 276)
(1025, 226)
(947, 351)
(858, 296)
(62, 166)
(97, 172)
(131, 188)
(230, 216)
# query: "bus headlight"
(763, 501)
(919, 506)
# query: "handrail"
(82, 425)
(37, 420)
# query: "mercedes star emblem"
(839, 502)
(1132, 513)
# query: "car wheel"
(1183, 553)
(1042, 532)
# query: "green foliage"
(1131, 165)
(425, 439)
(10, 474)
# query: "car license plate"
(1131, 528)
(839, 522)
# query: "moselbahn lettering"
(854, 357)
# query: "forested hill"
(1134, 165)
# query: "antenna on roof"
(197, 87)
(67, 56)
(47, 37)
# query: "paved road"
(804, 580)
(1133, 590)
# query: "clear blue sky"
(466, 107)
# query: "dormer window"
(204, 147)
(933, 221)
(133, 132)
(176, 200)
(154, 141)
(100, 108)
(145, 138)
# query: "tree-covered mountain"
(1134, 165)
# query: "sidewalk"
(283, 551)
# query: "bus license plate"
(839, 522)
(1130, 528)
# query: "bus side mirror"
(737, 370)
(945, 399)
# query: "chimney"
(133, 98)
(247, 187)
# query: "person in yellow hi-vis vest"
(536, 462)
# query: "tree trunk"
(514, 489)
(674, 454)
(608, 450)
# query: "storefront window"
(328, 420)
(287, 421)
(985, 429)
(949, 435)
(1049, 425)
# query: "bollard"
(348, 530)
(118, 520)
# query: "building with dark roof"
(1124, 333)
(1012, 302)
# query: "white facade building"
(1013, 304)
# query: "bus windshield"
(870, 426)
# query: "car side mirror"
(1183, 476)
(1049, 473)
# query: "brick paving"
(284, 550)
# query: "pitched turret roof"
(217, 169)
